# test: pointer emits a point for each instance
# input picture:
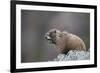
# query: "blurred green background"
(34, 25)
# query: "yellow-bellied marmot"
(65, 41)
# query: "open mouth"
(48, 38)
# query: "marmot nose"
(45, 37)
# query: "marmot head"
(53, 35)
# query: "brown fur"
(66, 41)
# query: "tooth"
(48, 37)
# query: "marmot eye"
(55, 31)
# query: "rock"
(73, 55)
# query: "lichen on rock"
(73, 55)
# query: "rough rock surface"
(73, 55)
